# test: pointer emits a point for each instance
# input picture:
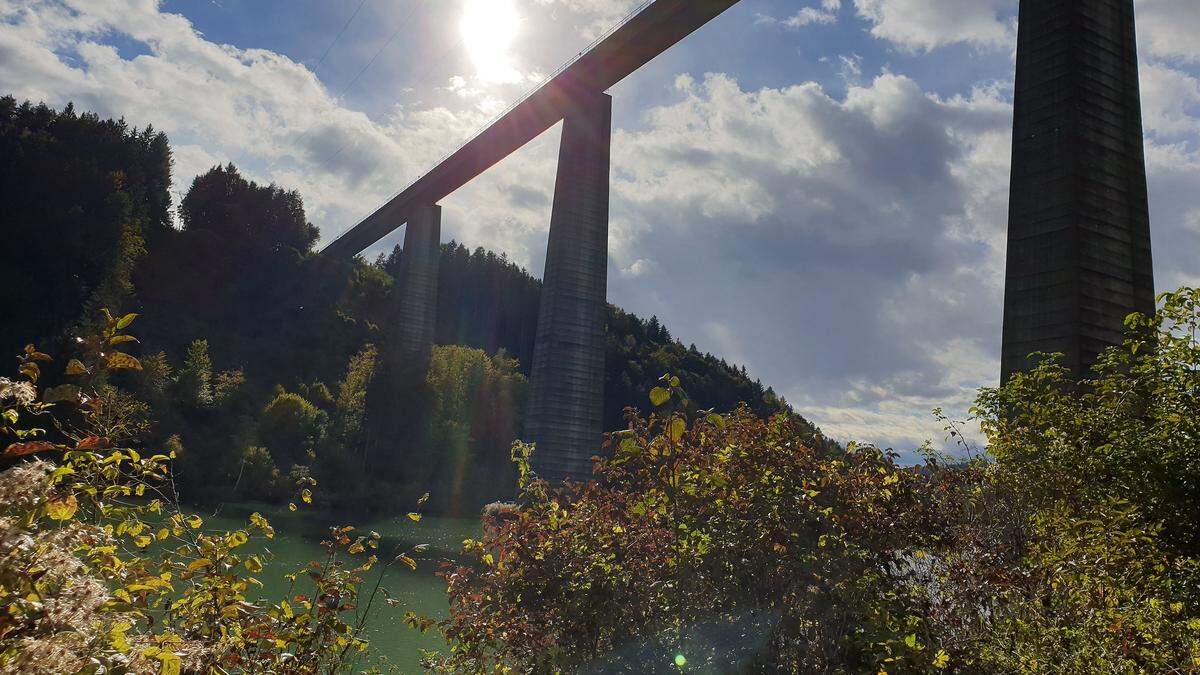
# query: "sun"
(488, 29)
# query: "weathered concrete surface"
(399, 381)
(1079, 229)
(416, 311)
(566, 398)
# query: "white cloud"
(924, 25)
(1170, 100)
(850, 247)
(1168, 28)
(825, 14)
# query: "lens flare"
(488, 29)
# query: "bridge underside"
(657, 28)
(566, 390)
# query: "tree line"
(257, 354)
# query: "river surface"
(297, 541)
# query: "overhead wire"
(436, 62)
(417, 4)
(339, 35)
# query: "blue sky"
(815, 188)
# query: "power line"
(416, 5)
(434, 63)
(339, 35)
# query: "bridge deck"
(633, 45)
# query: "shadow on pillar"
(566, 399)
(397, 400)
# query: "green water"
(297, 541)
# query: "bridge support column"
(566, 398)
(416, 311)
(397, 392)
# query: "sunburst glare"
(488, 29)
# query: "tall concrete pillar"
(566, 398)
(396, 393)
(1079, 226)
(416, 311)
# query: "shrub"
(729, 544)
(723, 540)
(102, 571)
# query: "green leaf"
(125, 321)
(659, 396)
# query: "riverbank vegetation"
(729, 543)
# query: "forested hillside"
(256, 354)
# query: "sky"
(816, 189)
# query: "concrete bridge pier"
(399, 380)
(566, 399)
(416, 311)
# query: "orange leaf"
(21, 449)
(92, 443)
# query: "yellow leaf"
(286, 609)
(76, 367)
(415, 517)
(306, 496)
(291, 506)
(195, 522)
(199, 564)
(170, 663)
(121, 360)
(254, 564)
(62, 509)
(659, 396)
(412, 564)
(676, 428)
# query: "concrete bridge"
(567, 376)
(1079, 257)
